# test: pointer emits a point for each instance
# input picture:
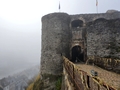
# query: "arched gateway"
(77, 54)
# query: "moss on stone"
(50, 82)
(59, 83)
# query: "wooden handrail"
(82, 80)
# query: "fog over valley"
(19, 46)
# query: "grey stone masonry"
(97, 34)
(103, 38)
(56, 36)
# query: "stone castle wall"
(103, 38)
(100, 32)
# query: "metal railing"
(81, 79)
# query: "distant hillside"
(20, 80)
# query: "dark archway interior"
(1, 88)
(77, 54)
(77, 23)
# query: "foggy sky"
(20, 28)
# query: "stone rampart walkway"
(108, 77)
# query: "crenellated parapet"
(93, 16)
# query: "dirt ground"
(108, 77)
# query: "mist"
(19, 46)
(20, 28)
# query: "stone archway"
(76, 23)
(77, 54)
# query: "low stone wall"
(106, 63)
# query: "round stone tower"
(56, 37)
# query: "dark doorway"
(77, 54)
(1, 88)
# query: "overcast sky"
(20, 27)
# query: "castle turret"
(56, 36)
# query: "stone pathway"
(108, 77)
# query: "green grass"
(58, 83)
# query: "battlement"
(91, 17)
